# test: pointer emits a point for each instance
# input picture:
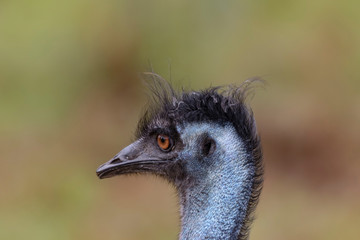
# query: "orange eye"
(163, 141)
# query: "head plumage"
(222, 105)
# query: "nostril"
(115, 160)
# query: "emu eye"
(164, 142)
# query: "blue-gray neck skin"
(215, 199)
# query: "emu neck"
(216, 213)
(215, 197)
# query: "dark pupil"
(162, 139)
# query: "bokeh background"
(70, 99)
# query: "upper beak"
(132, 159)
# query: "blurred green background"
(70, 100)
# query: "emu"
(206, 144)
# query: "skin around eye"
(163, 142)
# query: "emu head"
(206, 144)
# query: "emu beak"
(134, 158)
